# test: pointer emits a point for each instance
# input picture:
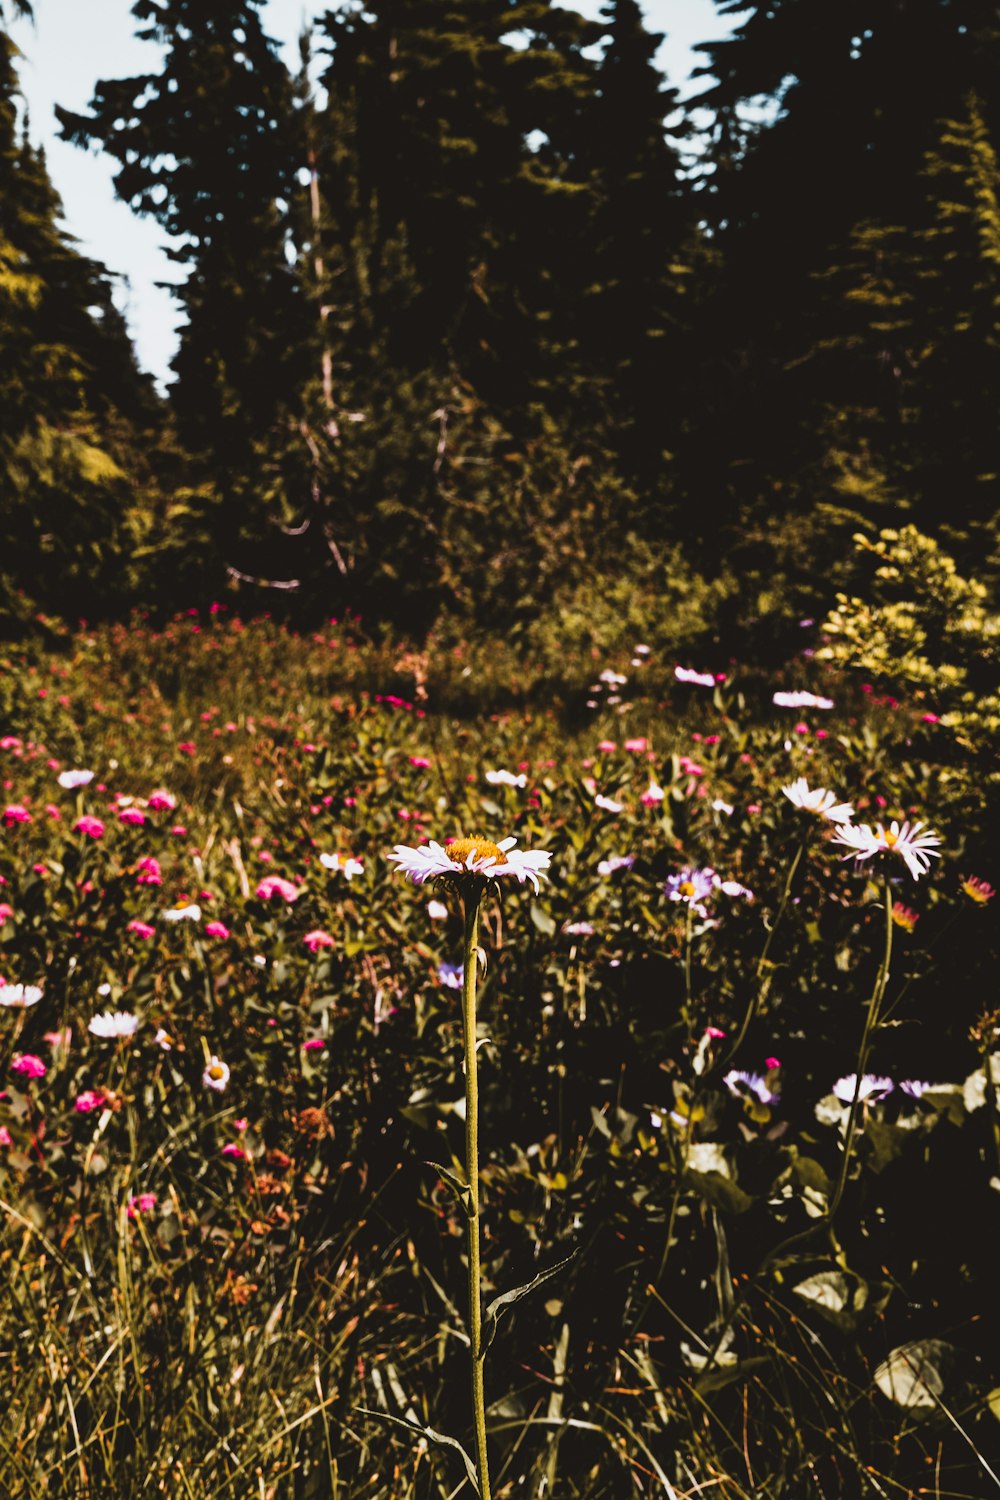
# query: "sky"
(72, 43)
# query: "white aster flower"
(216, 1074)
(870, 1087)
(723, 807)
(615, 862)
(699, 679)
(732, 888)
(72, 779)
(478, 856)
(578, 929)
(344, 864)
(613, 679)
(801, 700)
(691, 886)
(189, 911)
(818, 800)
(506, 778)
(915, 845)
(19, 996)
(163, 1040)
(739, 1083)
(113, 1023)
(608, 804)
(437, 911)
(916, 1088)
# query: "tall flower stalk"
(473, 865)
(472, 897)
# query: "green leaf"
(441, 1438)
(546, 926)
(461, 1190)
(721, 1191)
(499, 1305)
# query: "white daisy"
(19, 996)
(506, 778)
(476, 856)
(113, 1023)
(915, 847)
(188, 911)
(216, 1074)
(700, 679)
(818, 800)
(608, 804)
(343, 864)
(692, 886)
(870, 1087)
(72, 779)
(801, 700)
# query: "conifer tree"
(638, 243)
(207, 147)
(71, 398)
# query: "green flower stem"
(719, 1066)
(760, 991)
(825, 1220)
(872, 1020)
(688, 924)
(473, 899)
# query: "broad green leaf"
(911, 1376)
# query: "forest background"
(471, 344)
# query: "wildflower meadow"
(422, 1077)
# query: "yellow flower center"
(216, 1071)
(459, 851)
(891, 839)
(686, 888)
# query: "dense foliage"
(478, 321)
(223, 1232)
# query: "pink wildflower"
(5, 911)
(93, 828)
(29, 1066)
(607, 747)
(652, 795)
(317, 939)
(162, 802)
(420, 761)
(314, 1044)
(638, 746)
(5, 1139)
(148, 871)
(141, 929)
(216, 930)
(273, 885)
(237, 1152)
(132, 815)
(88, 1100)
(16, 813)
(143, 1204)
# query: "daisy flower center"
(686, 888)
(459, 851)
(891, 839)
(216, 1072)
